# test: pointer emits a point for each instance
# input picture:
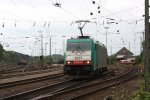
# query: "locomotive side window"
(78, 46)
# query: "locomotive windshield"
(78, 46)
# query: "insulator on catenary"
(91, 13)
(48, 24)
(44, 24)
(3, 24)
(57, 4)
(34, 24)
(93, 2)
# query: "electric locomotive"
(84, 57)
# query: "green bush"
(142, 95)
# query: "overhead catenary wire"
(129, 10)
(115, 14)
(62, 8)
(12, 14)
(70, 13)
(41, 23)
(84, 8)
(35, 9)
(28, 20)
(19, 8)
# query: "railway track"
(81, 91)
(53, 88)
(19, 68)
(42, 90)
(27, 81)
(10, 68)
(5, 66)
(21, 72)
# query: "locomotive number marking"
(78, 58)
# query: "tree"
(112, 59)
(48, 60)
(1, 52)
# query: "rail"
(84, 90)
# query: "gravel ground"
(119, 92)
(18, 89)
(125, 91)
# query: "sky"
(24, 22)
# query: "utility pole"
(106, 35)
(41, 57)
(140, 45)
(45, 48)
(147, 50)
(129, 46)
(63, 44)
(41, 45)
(50, 46)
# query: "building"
(125, 56)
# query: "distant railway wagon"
(22, 62)
(84, 57)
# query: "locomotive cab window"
(78, 46)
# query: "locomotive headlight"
(68, 62)
(78, 53)
(88, 62)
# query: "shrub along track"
(82, 91)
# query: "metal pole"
(63, 44)
(41, 45)
(41, 57)
(106, 35)
(45, 48)
(129, 46)
(50, 46)
(146, 51)
(55, 51)
(140, 45)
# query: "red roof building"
(125, 56)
